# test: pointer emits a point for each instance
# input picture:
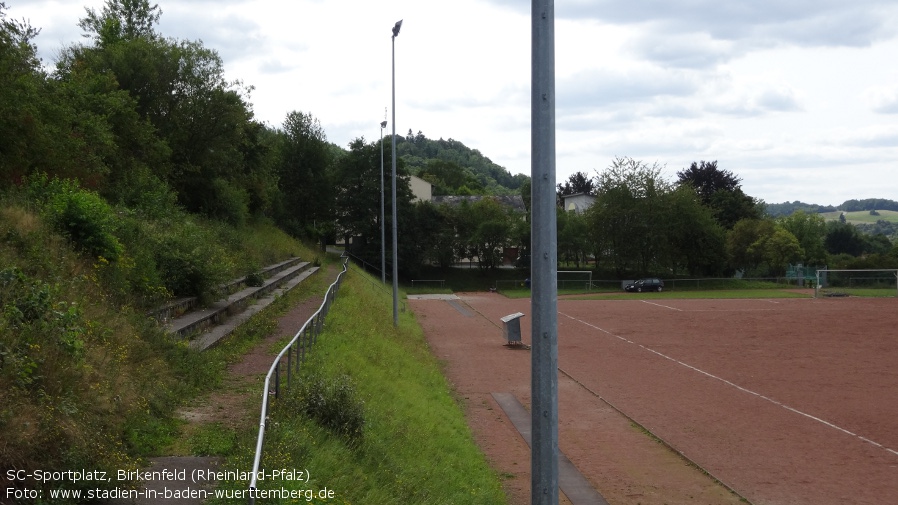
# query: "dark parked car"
(650, 284)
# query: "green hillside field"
(863, 216)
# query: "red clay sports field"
(786, 401)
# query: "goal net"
(574, 280)
(870, 282)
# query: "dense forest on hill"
(454, 168)
(869, 204)
(787, 208)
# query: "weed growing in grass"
(254, 279)
(332, 402)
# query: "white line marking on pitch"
(663, 306)
(733, 384)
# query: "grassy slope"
(416, 448)
(86, 381)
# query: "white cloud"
(758, 102)
(883, 100)
(873, 136)
(685, 50)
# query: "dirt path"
(622, 462)
(235, 406)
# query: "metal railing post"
(277, 379)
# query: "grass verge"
(414, 447)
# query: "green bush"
(334, 404)
(191, 262)
(254, 279)
(82, 215)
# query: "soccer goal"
(869, 282)
(574, 280)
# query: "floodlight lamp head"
(396, 28)
(383, 124)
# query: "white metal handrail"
(308, 333)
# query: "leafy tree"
(843, 238)
(520, 237)
(625, 222)
(41, 131)
(305, 165)
(356, 183)
(356, 186)
(423, 237)
(121, 20)
(122, 144)
(810, 230)
(745, 240)
(492, 230)
(20, 95)
(878, 244)
(573, 237)
(578, 182)
(466, 223)
(707, 179)
(261, 149)
(444, 241)
(781, 249)
(694, 241)
(731, 207)
(721, 191)
(754, 244)
(180, 89)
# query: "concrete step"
(197, 320)
(215, 334)
(178, 307)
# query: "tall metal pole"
(383, 226)
(543, 262)
(396, 28)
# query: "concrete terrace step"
(216, 313)
(177, 308)
(211, 337)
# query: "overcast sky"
(799, 98)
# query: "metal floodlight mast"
(383, 245)
(543, 260)
(396, 28)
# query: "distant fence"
(421, 283)
(368, 267)
(609, 285)
(304, 338)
